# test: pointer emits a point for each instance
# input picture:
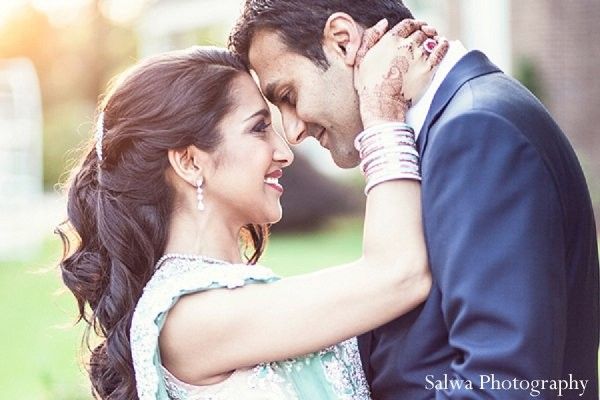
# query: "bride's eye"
(261, 127)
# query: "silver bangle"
(379, 129)
(388, 152)
(390, 177)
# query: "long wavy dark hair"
(119, 208)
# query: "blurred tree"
(22, 37)
(528, 74)
(311, 198)
(73, 62)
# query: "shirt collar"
(417, 114)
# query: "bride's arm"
(210, 333)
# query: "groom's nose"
(294, 127)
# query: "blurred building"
(21, 171)
(555, 45)
(21, 126)
(170, 24)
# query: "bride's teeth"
(272, 180)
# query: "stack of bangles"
(388, 152)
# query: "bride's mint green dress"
(332, 373)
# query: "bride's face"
(249, 161)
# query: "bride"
(168, 212)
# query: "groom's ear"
(342, 35)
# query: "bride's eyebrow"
(264, 112)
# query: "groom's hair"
(300, 23)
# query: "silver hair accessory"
(200, 194)
(99, 135)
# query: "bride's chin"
(275, 214)
(268, 219)
(275, 219)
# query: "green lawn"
(39, 347)
(291, 254)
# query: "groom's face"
(313, 102)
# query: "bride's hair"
(119, 207)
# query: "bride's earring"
(200, 193)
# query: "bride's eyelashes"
(261, 128)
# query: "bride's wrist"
(374, 121)
(388, 152)
(378, 109)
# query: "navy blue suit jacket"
(512, 248)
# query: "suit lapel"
(472, 65)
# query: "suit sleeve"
(495, 239)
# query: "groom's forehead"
(269, 57)
(267, 42)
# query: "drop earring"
(200, 194)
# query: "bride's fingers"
(406, 27)
(438, 54)
(417, 38)
(419, 53)
(429, 30)
(370, 37)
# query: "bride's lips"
(272, 180)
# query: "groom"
(508, 219)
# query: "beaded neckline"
(189, 257)
(178, 275)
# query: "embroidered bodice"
(332, 373)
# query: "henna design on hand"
(370, 37)
(406, 27)
(386, 100)
(397, 72)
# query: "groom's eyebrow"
(270, 92)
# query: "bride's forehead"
(245, 90)
(245, 99)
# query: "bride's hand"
(392, 69)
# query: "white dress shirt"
(415, 116)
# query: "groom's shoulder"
(490, 103)
(494, 94)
